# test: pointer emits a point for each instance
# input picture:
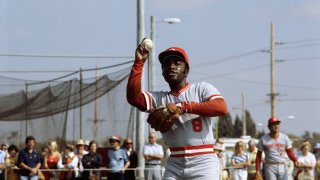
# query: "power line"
(214, 62)
(62, 71)
(66, 56)
(267, 83)
(298, 46)
(300, 99)
(297, 41)
(70, 74)
(230, 73)
(299, 59)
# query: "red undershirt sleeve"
(258, 161)
(215, 107)
(135, 96)
(291, 155)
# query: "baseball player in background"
(274, 145)
(191, 138)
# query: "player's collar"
(176, 93)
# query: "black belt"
(152, 164)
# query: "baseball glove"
(163, 118)
(258, 177)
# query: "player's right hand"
(142, 53)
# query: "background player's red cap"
(273, 120)
(174, 51)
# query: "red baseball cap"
(273, 120)
(174, 51)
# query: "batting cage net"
(66, 108)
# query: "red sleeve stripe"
(214, 96)
(148, 100)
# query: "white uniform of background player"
(191, 139)
(275, 146)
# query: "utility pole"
(152, 57)
(80, 106)
(244, 121)
(140, 115)
(272, 93)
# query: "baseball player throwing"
(190, 138)
(275, 146)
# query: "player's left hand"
(163, 118)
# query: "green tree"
(225, 126)
(306, 135)
(251, 126)
(237, 128)
(316, 135)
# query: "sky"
(226, 42)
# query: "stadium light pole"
(290, 117)
(151, 62)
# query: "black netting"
(94, 108)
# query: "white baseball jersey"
(192, 129)
(274, 149)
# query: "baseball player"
(190, 139)
(275, 145)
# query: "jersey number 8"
(197, 125)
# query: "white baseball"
(148, 44)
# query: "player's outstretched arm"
(135, 96)
(292, 156)
(215, 107)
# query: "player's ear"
(186, 71)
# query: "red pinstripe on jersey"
(188, 151)
(147, 97)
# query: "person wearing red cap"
(277, 149)
(191, 138)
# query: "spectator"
(79, 155)
(44, 152)
(218, 150)
(92, 160)
(11, 163)
(2, 163)
(153, 154)
(252, 158)
(4, 148)
(316, 150)
(240, 161)
(67, 162)
(133, 158)
(118, 160)
(307, 162)
(86, 145)
(51, 160)
(275, 145)
(29, 160)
